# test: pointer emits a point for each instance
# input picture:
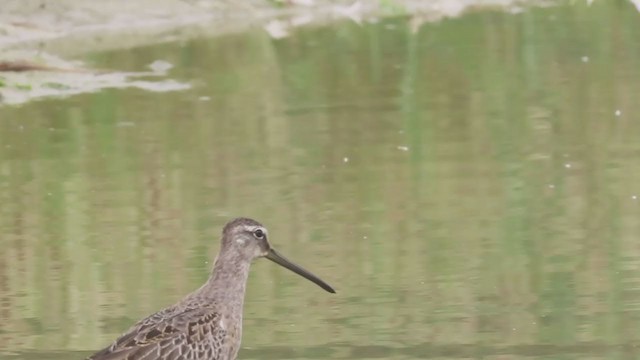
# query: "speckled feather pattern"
(186, 331)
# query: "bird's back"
(189, 330)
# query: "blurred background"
(469, 182)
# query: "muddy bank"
(69, 27)
(39, 37)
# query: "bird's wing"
(193, 333)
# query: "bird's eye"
(258, 233)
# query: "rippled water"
(471, 188)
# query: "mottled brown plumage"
(206, 324)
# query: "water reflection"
(471, 190)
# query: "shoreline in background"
(39, 38)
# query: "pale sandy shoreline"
(51, 33)
(69, 27)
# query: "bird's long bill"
(281, 260)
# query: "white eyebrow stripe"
(254, 228)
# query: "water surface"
(470, 187)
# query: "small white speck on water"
(204, 98)
(365, 237)
(21, 127)
(277, 29)
(585, 59)
(568, 166)
(516, 10)
(634, 197)
(49, 194)
(403, 148)
(345, 160)
(551, 186)
(51, 129)
(160, 66)
(618, 112)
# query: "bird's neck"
(228, 280)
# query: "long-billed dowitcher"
(206, 324)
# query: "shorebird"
(206, 324)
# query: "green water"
(471, 189)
